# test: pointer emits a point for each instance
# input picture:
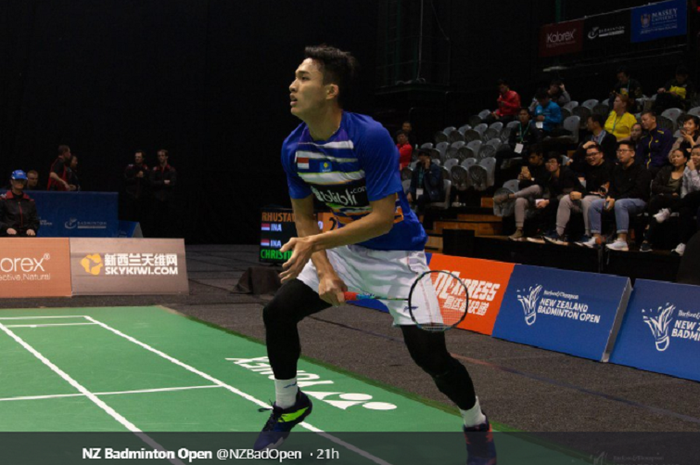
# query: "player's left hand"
(302, 249)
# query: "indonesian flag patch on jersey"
(303, 163)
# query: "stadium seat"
(475, 146)
(571, 105)
(673, 114)
(479, 177)
(694, 111)
(460, 177)
(493, 131)
(572, 124)
(590, 104)
(454, 148)
(489, 164)
(407, 174)
(445, 203)
(450, 163)
(513, 185)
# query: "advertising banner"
(659, 20)
(561, 38)
(34, 267)
(486, 282)
(661, 330)
(607, 31)
(565, 311)
(128, 266)
(77, 214)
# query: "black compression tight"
(295, 301)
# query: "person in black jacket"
(521, 138)
(426, 184)
(137, 180)
(666, 190)
(163, 179)
(561, 181)
(606, 141)
(628, 195)
(533, 178)
(593, 186)
(18, 216)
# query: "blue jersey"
(357, 165)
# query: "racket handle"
(350, 296)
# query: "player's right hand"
(331, 288)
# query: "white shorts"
(386, 273)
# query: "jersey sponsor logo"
(346, 196)
(326, 167)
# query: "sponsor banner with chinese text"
(565, 311)
(561, 38)
(659, 20)
(608, 30)
(128, 266)
(34, 267)
(486, 282)
(661, 330)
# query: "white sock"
(286, 392)
(473, 416)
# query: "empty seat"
(571, 105)
(573, 125)
(460, 177)
(479, 177)
(590, 104)
(407, 173)
(490, 164)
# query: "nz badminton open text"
(97, 453)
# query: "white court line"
(109, 410)
(177, 362)
(116, 393)
(54, 324)
(40, 317)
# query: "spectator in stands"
(596, 180)
(626, 86)
(655, 146)
(676, 93)
(598, 136)
(620, 121)
(558, 93)
(18, 216)
(405, 149)
(137, 182)
(532, 180)
(547, 114)
(508, 104)
(690, 134)
(560, 182)
(73, 173)
(521, 138)
(666, 195)
(689, 206)
(627, 195)
(407, 127)
(32, 181)
(426, 184)
(58, 176)
(163, 179)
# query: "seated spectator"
(18, 216)
(626, 86)
(532, 180)
(558, 93)
(73, 174)
(598, 136)
(636, 134)
(593, 186)
(690, 134)
(666, 195)
(620, 121)
(560, 182)
(547, 114)
(58, 176)
(627, 195)
(508, 104)
(405, 149)
(676, 93)
(521, 138)
(426, 184)
(32, 181)
(407, 127)
(653, 150)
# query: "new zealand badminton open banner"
(486, 282)
(659, 20)
(128, 266)
(565, 311)
(34, 267)
(661, 330)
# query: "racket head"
(438, 301)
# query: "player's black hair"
(554, 156)
(338, 67)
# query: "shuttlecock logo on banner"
(529, 303)
(659, 322)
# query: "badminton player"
(349, 162)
